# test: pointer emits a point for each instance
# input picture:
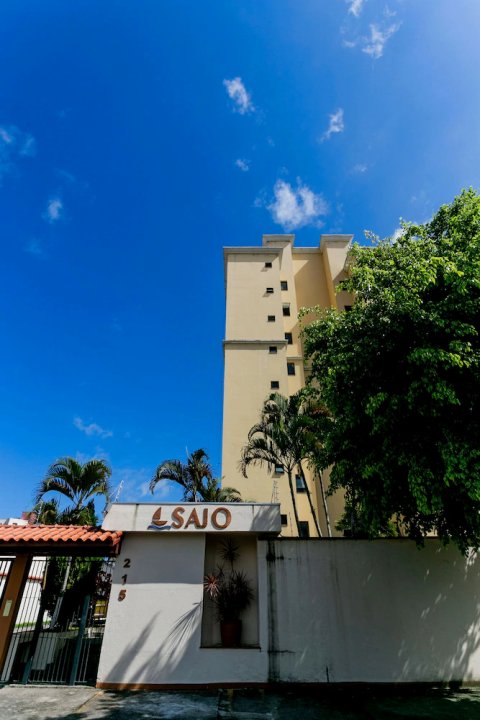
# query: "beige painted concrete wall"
(381, 611)
(310, 274)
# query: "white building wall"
(153, 636)
(382, 611)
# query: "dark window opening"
(272, 349)
(286, 310)
(347, 308)
(300, 484)
(283, 285)
(304, 529)
(268, 264)
(278, 469)
(269, 291)
(274, 385)
(289, 338)
(290, 368)
(271, 318)
(284, 519)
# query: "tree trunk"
(292, 494)
(58, 605)
(325, 506)
(312, 509)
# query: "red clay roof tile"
(58, 535)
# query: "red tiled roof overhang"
(55, 539)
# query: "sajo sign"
(181, 518)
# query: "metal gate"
(59, 627)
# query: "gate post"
(12, 597)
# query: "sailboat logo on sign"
(185, 518)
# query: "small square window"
(278, 470)
(274, 385)
(271, 318)
(300, 484)
(347, 308)
(283, 519)
(269, 291)
(290, 368)
(286, 310)
(283, 285)
(289, 338)
(268, 264)
(304, 529)
(272, 349)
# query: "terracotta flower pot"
(231, 632)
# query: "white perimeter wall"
(336, 611)
(382, 611)
(153, 636)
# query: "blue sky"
(138, 138)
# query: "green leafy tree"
(78, 483)
(196, 479)
(400, 375)
(283, 439)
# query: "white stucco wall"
(153, 636)
(382, 611)
(328, 611)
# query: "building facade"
(265, 288)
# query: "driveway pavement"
(81, 703)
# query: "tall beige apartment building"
(265, 288)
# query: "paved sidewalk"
(81, 703)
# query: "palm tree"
(213, 492)
(317, 419)
(281, 439)
(80, 483)
(190, 475)
(196, 478)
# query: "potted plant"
(231, 592)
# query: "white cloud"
(133, 484)
(5, 136)
(359, 168)
(14, 144)
(238, 93)
(398, 232)
(375, 44)
(65, 175)
(336, 124)
(355, 7)
(295, 207)
(33, 247)
(29, 146)
(242, 164)
(54, 210)
(91, 430)
(349, 43)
